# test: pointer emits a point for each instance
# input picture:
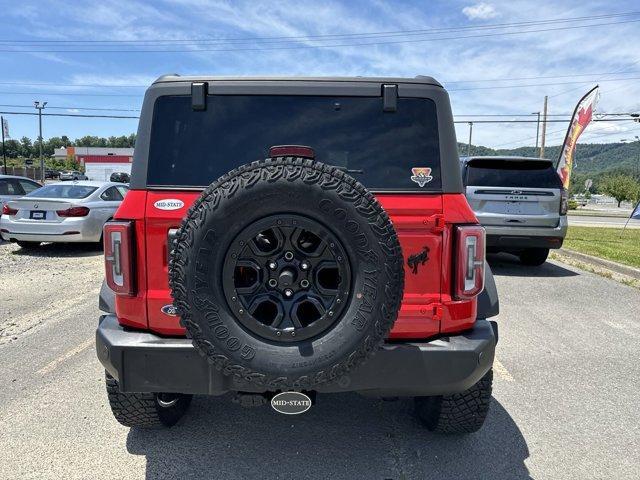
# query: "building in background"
(98, 162)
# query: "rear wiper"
(349, 170)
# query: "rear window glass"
(63, 191)
(194, 148)
(507, 173)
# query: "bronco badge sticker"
(169, 204)
(421, 175)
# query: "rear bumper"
(144, 362)
(84, 229)
(511, 237)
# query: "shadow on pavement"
(508, 265)
(61, 250)
(343, 436)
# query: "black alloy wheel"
(286, 278)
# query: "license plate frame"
(37, 215)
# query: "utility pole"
(544, 126)
(469, 145)
(40, 108)
(537, 131)
(4, 155)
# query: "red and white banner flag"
(582, 116)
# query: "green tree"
(621, 187)
(26, 147)
(12, 148)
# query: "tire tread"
(459, 413)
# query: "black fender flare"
(488, 303)
(107, 300)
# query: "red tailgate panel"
(159, 222)
(417, 218)
(418, 221)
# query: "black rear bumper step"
(144, 362)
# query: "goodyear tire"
(145, 410)
(459, 413)
(286, 273)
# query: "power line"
(534, 114)
(547, 121)
(69, 115)
(598, 80)
(496, 87)
(210, 40)
(472, 115)
(482, 80)
(73, 94)
(93, 85)
(455, 121)
(337, 45)
(78, 108)
(530, 138)
(533, 78)
(493, 87)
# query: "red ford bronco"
(288, 237)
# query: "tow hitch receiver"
(287, 403)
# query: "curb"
(595, 213)
(602, 263)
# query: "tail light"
(7, 210)
(118, 257)
(73, 212)
(469, 280)
(564, 201)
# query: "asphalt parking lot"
(565, 399)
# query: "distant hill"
(591, 158)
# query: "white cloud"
(480, 11)
(125, 80)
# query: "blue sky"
(471, 68)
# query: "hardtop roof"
(420, 79)
(508, 158)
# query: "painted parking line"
(501, 371)
(50, 367)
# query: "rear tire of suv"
(458, 413)
(28, 245)
(534, 256)
(146, 410)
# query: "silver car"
(72, 175)
(61, 212)
(12, 187)
(521, 203)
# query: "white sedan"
(61, 212)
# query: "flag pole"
(4, 156)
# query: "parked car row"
(12, 187)
(60, 212)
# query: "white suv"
(521, 203)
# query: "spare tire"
(287, 273)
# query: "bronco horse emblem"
(417, 259)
